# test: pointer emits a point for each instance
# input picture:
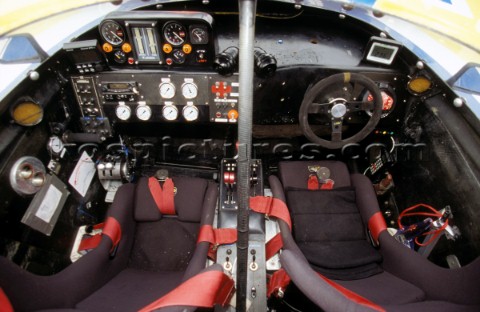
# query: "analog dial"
(189, 90)
(112, 32)
(190, 113)
(174, 33)
(123, 112)
(143, 112)
(120, 57)
(55, 145)
(178, 56)
(199, 35)
(170, 112)
(167, 90)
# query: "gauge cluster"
(168, 39)
(133, 96)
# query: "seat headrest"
(294, 174)
(188, 200)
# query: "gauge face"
(55, 145)
(174, 33)
(190, 113)
(119, 57)
(189, 90)
(388, 103)
(167, 90)
(170, 112)
(199, 35)
(178, 56)
(123, 112)
(112, 32)
(143, 112)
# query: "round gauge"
(190, 113)
(174, 33)
(170, 112)
(388, 102)
(167, 90)
(119, 57)
(112, 32)
(178, 56)
(143, 112)
(123, 112)
(27, 113)
(189, 90)
(199, 35)
(55, 145)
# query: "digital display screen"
(85, 56)
(382, 52)
(118, 86)
(146, 44)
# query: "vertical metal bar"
(247, 10)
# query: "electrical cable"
(433, 213)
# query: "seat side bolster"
(460, 286)
(78, 280)
(198, 261)
(277, 191)
(365, 197)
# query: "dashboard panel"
(175, 67)
(167, 39)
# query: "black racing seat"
(329, 243)
(154, 255)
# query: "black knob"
(226, 62)
(265, 64)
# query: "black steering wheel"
(336, 97)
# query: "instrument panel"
(168, 39)
(150, 96)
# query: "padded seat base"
(385, 288)
(433, 306)
(131, 290)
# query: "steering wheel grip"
(341, 79)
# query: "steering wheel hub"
(338, 110)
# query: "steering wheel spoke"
(355, 106)
(337, 124)
(318, 108)
(339, 95)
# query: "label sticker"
(83, 174)
(49, 204)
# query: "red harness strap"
(90, 242)
(351, 295)
(5, 304)
(111, 228)
(271, 207)
(273, 246)
(203, 290)
(280, 280)
(163, 197)
(277, 283)
(313, 183)
(376, 225)
(216, 237)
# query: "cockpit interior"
(276, 136)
